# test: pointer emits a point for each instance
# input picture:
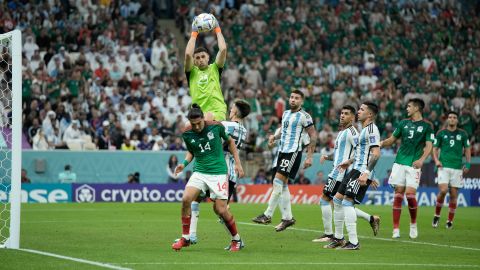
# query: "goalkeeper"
(204, 79)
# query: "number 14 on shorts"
(222, 187)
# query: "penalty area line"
(373, 238)
(100, 264)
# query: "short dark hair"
(195, 112)
(200, 50)
(298, 92)
(452, 112)
(67, 167)
(417, 102)
(350, 108)
(243, 107)
(371, 106)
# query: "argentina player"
(294, 122)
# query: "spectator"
(67, 176)
(260, 177)
(24, 177)
(134, 178)
(172, 164)
(320, 178)
(302, 179)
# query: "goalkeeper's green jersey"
(451, 144)
(414, 135)
(207, 148)
(205, 90)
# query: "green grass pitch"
(139, 236)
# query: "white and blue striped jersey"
(369, 137)
(239, 134)
(293, 124)
(345, 144)
(276, 149)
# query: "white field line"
(104, 265)
(309, 263)
(373, 238)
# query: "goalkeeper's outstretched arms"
(222, 46)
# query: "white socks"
(362, 214)
(194, 219)
(326, 216)
(338, 217)
(274, 197)
(350, 221)
(285, 203)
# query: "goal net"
(10, 137)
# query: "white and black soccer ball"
(204, 22)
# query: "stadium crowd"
(107, 75)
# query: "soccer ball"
(204, 22)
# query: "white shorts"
(403, 175)
(454, 177)
(216, 184)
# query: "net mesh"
(6, 135)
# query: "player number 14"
(206, 147)
(222, 187)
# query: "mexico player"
(354, 185)
(204, 143)
(204, 79)
(345, 143)
(417, 137)
(447, 153)
(294, 122)
(239, 110)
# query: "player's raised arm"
(190, 49)
(222, 47)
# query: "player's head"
(415, 105)
(368, 110)
(347, 115)
(296, 99)
(452, 118)
(239, 109)
(195, 116)
(201, 57)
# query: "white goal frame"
(13, 240)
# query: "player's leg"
(397, 180)
(455, 184)
(286, 204)
(350, 223)
(191, 193)
(326, 207)
(194, 219)
(220, 208)
(442, 179)
(374, 221)
(275, 196)
(413, 180)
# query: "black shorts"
(331, 188)
(289, 163)
(350, 187)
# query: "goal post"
(11, 137)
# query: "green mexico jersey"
(207, 148)
(414, 135)
(451, 144)
(205, 90)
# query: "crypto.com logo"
(85, 193)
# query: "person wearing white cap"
(73, 133)
(49, 122)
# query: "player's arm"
(222, 47)
(427, 150)
(374, 157)
(395, 135)
(326, 157)
(273, 138)
(468, 157)
(436, 150)
(233, 150)
(190, 49)
(312, 133)
(186, 161)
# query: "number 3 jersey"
(239, 134)
(451, 144)
(207, 148)
(414, 135)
